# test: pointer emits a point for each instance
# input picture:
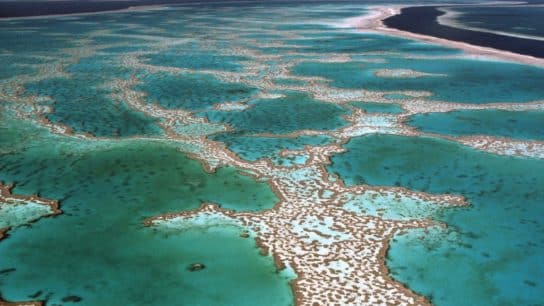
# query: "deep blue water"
(525, 20)
(422, 20)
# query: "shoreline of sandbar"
(373, 22)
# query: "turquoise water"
(123, 49)
(372, 107)
(90, 109)
(111, 39)
(295, 111)
(22, 40)
(196, 60)
(396, 96)
(15, 65)
(328, 40)
(84, 103)
(98, 248)
(357, 42)
(466, 81)
(492, 253)
(191, 91)
(519, 125)
(254, 148)
(389, 205)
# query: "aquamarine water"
(491, 253)
(190, 91)
(99, 116)
(292, 112)
(196, 60)
(396, 96)
(340, 41)
(100, 251)
(254, 148)
(520, 125)
(454, 80)
(17, 63)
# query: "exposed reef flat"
(6, 303)
(17, 210)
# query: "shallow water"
(196, 60)
(191, 91)
(293, 112)
(254, 148)
(453, 80)
(99, 250)
(492, 252)
(200, 57)
(100, 116)
(519, 125)
(357, 42)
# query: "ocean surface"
(517, 125)
(29, 8)
(523, 20)
(423, 20)
(115, 115)
(490, 253)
